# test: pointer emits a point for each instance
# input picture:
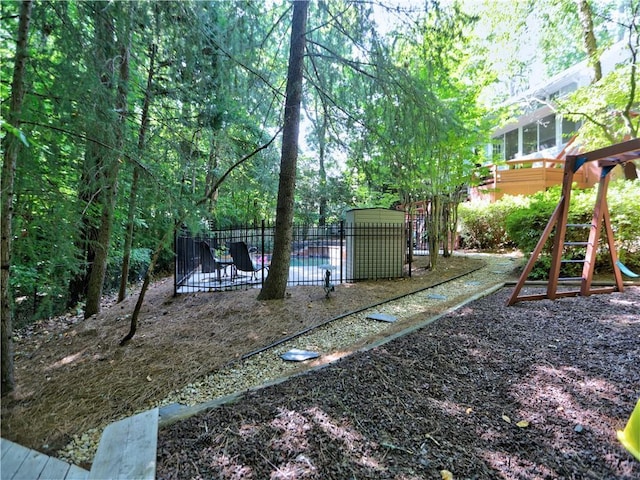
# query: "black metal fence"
(235, 258)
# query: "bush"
(525, 225)
(39, 291)
(483, 225)
(519, 222)
(138, 265)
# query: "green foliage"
(395, 116)
(561, 43)
(139, 263)
(524, 226)
(483, 225)
(606, 108)
(623, 200)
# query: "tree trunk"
(322, 172)
(133, 194)
(108, 161)
(589, 38)
(433, 220)
(276, 282)
(133, 326)
(630, 170)
(446, 253)
(450, 218)
(11, 147)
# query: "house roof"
(580, 74)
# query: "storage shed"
(376, 243)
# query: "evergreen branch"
(210, 191)
(86, 138)
(164, 241)
(335, 56)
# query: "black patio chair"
(209, 262)
(242, 260)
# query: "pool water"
(308, 261)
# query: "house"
(527, 154)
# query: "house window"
(497, 149)
(511, 144)
(547, 132)
(564, 91)
(569, 129)
(530, 138)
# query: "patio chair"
(209, 262)
(242, 260)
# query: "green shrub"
(519, 222)
(483, 225)
(36, 293)
(525, 225)
(138, 264)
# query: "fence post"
(342, 245)
(175, 263)
(262, 253)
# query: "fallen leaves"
(521, 423)
(446, 475)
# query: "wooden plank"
(528, 298)
(613, 253)
(5, 447)
(561, 229)
(128, 448)
(534, 257)
(77, 473)
(32, 467)
(598, 291)
(619, 149)
(570, 293)
(55, 468)
(594, 234)
(13, 455)
(19, 463)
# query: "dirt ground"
(533, 391)
(72, 376)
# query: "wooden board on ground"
(127, 448)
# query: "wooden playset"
(607, 158)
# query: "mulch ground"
(533, 391)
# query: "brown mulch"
(72, 376)
(533, 391)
